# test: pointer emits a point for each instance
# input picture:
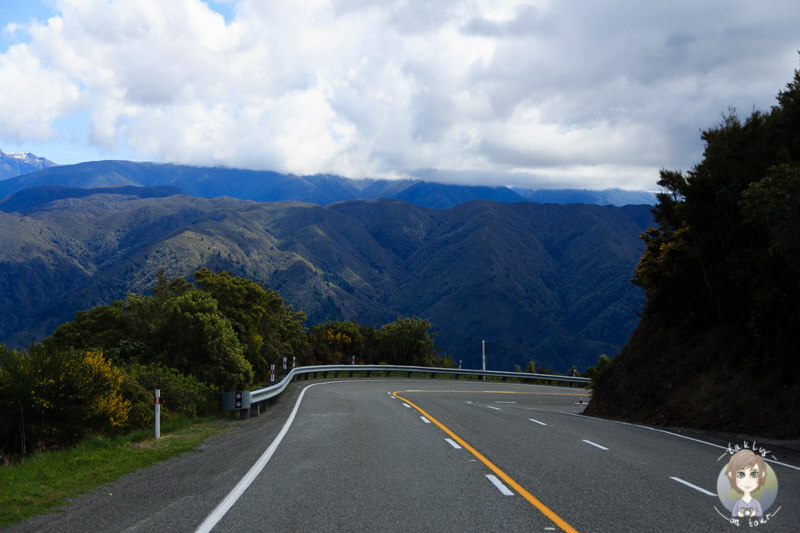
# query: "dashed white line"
(505, 402)
(505, 491)
(695, 487)
(595, 444)
(534, 420)
(493, 407)
(425, 420)
(406, 405)
(453, 443)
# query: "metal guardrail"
(241, 400)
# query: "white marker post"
(271, 373)
(294, 361)
(158, 414)
(284, 363)
(483, 353)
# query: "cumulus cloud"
(531, 93)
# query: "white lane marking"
(425, 420)
(695, 487)
(493, 407)
(414, 390)
(225, 505)
(505, 491)
(595, 444)
(505, 402)
(453, 443)
(406, 405)
(773, 461)
(534, 420)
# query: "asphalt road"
(432, 455)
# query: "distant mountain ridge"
(321, 189)
(547, 283)
(15, 164)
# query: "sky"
(540, 94)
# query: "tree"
(407, 341)
(721, 271)
(266, 328)
(195, 338)
(335, 342)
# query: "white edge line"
(595, 444)
(453, 443)
(229, 500)
(773, 461)
(505, 491)
(695, 487)
(534, 420)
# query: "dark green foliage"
(337, 342)
(266, 328)
(181, 394)
(218, 332)
(717, 342)
(405, 341)
(50, 398)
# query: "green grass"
(43, 481)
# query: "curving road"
(432, 455)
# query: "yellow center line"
(494, 468)
(507, 392)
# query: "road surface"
(433, 455)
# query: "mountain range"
(541, 282)
(321, 189)
(14, 164)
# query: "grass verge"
(43, 481)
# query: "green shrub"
(181, 394)
(52, 398)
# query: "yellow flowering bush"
(50, 398)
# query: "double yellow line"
(494, 468)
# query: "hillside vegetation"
(96, 373)
(719, 337)
(548, 283)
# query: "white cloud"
(595, 93)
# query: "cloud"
(595, 93)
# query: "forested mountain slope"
(548, 283)
(719, 338)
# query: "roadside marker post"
(483, 354)
(272, 373)
(284, 363)
(158, 413)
